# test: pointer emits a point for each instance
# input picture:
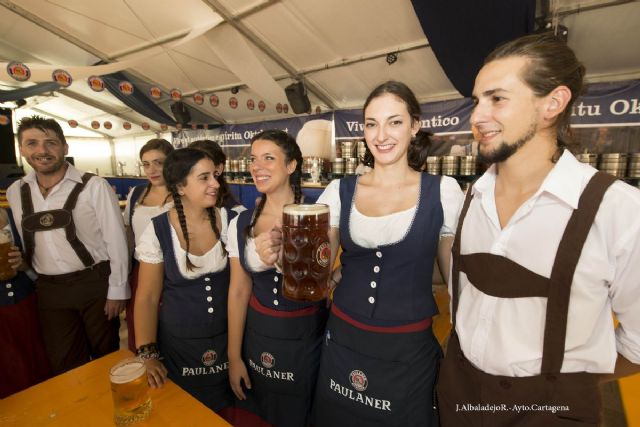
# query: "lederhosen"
(192, 326)
(380, 358)
(23, 360)
(78, 290)
(281, 347)
(574, 395)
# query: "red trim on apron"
(411, 327)
(255, 304)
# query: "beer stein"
(6, 241)
(306, 254)
(130, 392)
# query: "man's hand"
(113, 308)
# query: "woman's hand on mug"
(237, 374)
(15, 259)
(269, 245)
(156, 373)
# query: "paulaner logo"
(267, 360)
(209, 357)
(270, 373)
(359, 382)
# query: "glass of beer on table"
(6, 242)
(130, 391)
(306, 256)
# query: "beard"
(505, 149)
(49, 169)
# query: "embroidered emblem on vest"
(46, 220)
(209, 358)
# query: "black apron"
(192, 327)
(469, 397)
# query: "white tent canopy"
(338, 48)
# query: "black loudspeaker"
(297, 96)
(181, 112)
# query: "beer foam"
(5, 236)
(303, 209)
(127, 372)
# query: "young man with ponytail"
(546, 249)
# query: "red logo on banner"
(194, 126)
(178, 126)
(126, 125)
(107, 125)
(175, 94)
(145, 125)
(233, 102)
(318, 110)
(62, 78)
(261, 106)
(279, 107)
(18, 71)
(205, 126)
(163, 126)
(285, 108)
(96, 83)
(214, 100)
(155, 92)
(250, 104)
(198, 98)
(4, 120)
(125, 87)
(72, 123)
(95, 124)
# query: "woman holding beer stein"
(23, 360)
(183, 260)
(380, 357)
(274, 343)
(143, 203)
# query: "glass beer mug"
(6, 241)
(130, 391)
(306, 255)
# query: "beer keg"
(362, 149)
(634, 166)
(352, 164)
(433, 165)
(468, 165)
(449, 165)
(613, 163)
(338, 166)
(589, 158)
(347, 149)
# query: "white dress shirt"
(503, 336)
(391, 228)
(148, 250)
(251, 256)
(98, 224)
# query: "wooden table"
(82, 397)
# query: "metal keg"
(235, 165)
(227, 165)
(589, 158)
(468, 165)
(347, 149)
(338, 166)
(449, 165)
(352, 164)
(362, 149)
(614, 163)
(433, 165)
(242, 165)
(634, 166)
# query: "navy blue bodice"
(391, 285)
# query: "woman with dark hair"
(143, 203)
(183, 260)
(274, 343)
(380, 357)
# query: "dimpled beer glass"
(6, 272)
(305, 261)
(129, 388)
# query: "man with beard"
(74, 238)
(546, 249)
